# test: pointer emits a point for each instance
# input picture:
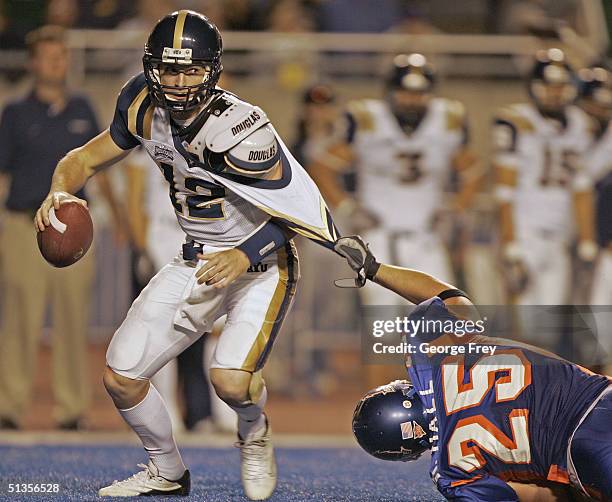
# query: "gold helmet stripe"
(178, 29)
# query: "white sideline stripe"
(55, 223)
(36, 438)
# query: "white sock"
(251, 420)
(151, 421)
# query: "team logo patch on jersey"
(162, 152)
(249, 122)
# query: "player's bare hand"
(222, 268)
(53, 200)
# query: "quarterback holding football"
(230, 175)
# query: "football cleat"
(147, 482)
(257, 465)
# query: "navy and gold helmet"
(411, 72)
(390, 422)
(596, 91)
(553, 84)
(182, 39)
(409, 87)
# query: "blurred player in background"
(404, 149)
(229, 173)
(516, 423)
(317, 129)
(543, 188)
(35, 132)
(596, 100)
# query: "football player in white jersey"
(404, 149)
(229, 172)
(544, 192)
(596, 100)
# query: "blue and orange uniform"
(517, 414)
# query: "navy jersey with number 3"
(506, 416)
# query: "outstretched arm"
(74, 170)
(412, 285)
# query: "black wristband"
(452, 293)
(371, 268)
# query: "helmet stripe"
(178, 29)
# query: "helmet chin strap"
(409, 119)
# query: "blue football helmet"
(409, 86)
(182, 39)
(596, 92)
(552, 84)
(390, 422)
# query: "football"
(66, 240)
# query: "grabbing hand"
(54, 199)
(358, 256)
(222, 268)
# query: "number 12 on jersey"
(199, 206)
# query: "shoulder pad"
(362, 114)
(514, 115)
(257, 153)
(131, 91)
(238, 120)
(455, 115)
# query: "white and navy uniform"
(598, 161)
(164, 234)
(401, 179)
(546, 156)
(219, 206)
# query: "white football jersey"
(208, 164)
(547, 157)
(401, 176)
(598, 157)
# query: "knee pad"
(127, 348)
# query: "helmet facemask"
(180, 98)
(553, 85)
(409, 89)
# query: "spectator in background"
(359, 16)
(543, 191)
(290, 16)
(64, 13)
(234, 15)
(17, 18)
(104, 14)
(596, 100)
(326, 311)
(316, 124)
(147, 14)
(35, 132)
